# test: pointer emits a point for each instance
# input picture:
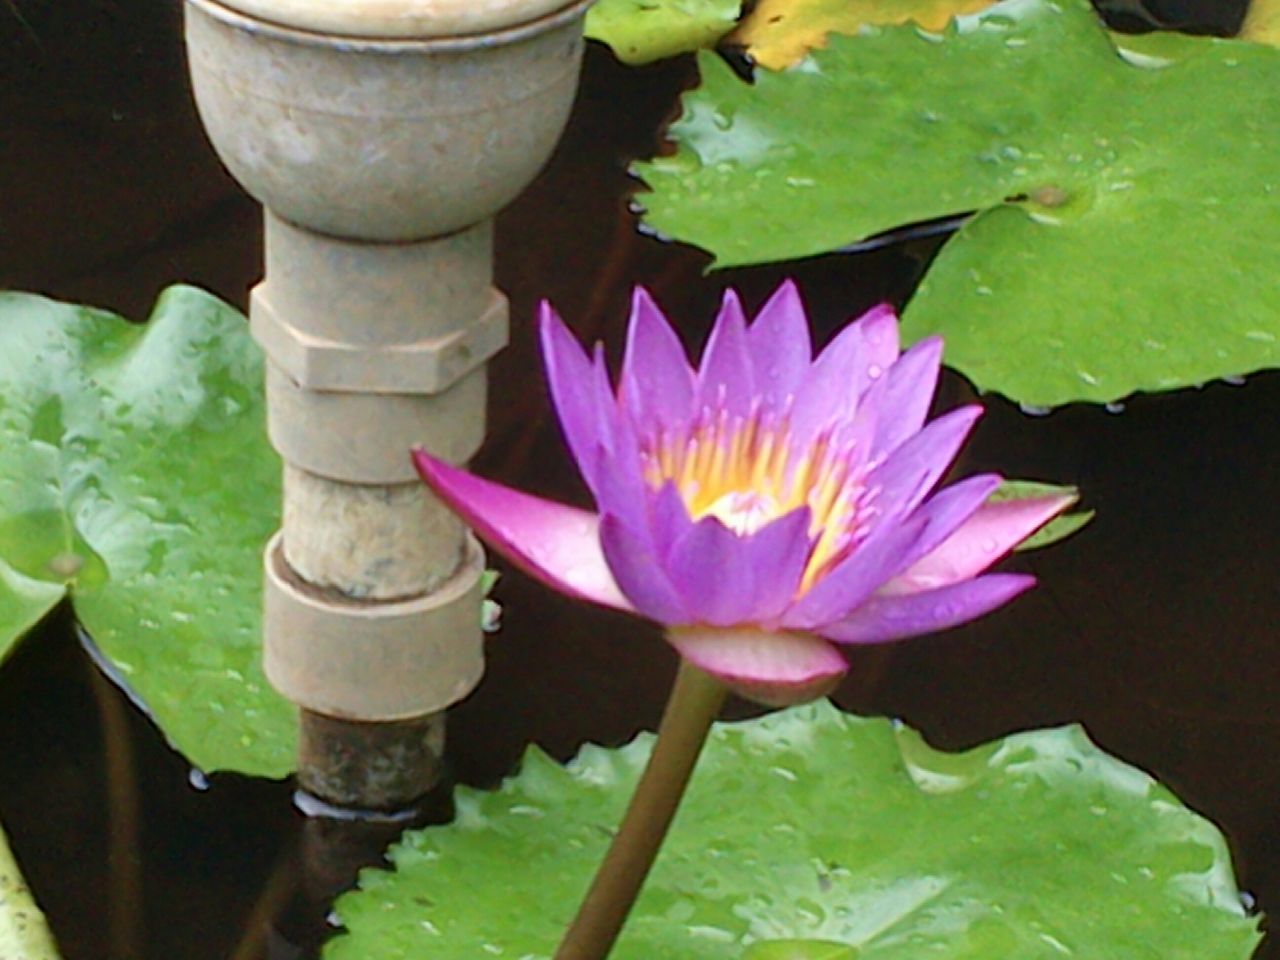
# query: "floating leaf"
(135, 472)
(1262, 22)
(24, 935)
(1060, 527)
(639, 31)
(1126, 236)
(799, 950)
(778, 33)
(23, 602)
(808, 829)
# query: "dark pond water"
(1156, 627)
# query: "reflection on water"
(1155, 627)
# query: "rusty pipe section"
(381, 163)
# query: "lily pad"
(640, 31)
(809, 829)
(135, 474)
(24, 935)
(1262, 22)
(779, 33)
(1125, 236)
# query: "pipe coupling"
(365, 438)
(373, 661)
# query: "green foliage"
(1125, 237)
(24, 935)
(808, 831)
(639, 31)
(135, 473)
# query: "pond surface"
(1155, 627)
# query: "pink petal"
(885, 618)
(777, 669)
(779, 342)
(551, 542)
(657, 381)
(948, 510)
(990, 533)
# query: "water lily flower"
(766, 507)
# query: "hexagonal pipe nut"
(373, 661)
(429, 366)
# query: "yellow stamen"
(744, 471)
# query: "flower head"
(767, 506)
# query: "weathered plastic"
(382, 136)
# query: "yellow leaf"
(779, 33)
(1262, 23)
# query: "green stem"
(695, 700)
(1262, 22)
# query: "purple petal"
(725, 376)
(909, 389)
(574, 382)
(669, 521)
(711, 570)
(859, 356)
(911, 471)
(885, 618)
(779, 343)
(777, 669)
(856, 434)
(779, 553)
(728, 579)
(618, 477)
(884, 556)
(551, 542)
(948, 510)
(990, 533)
(657, 381)
(878, 559)
(639, 574)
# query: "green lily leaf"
(23, 603)
(640, 31)
(1060, 527)
(1125, 237)
(807, 829)
(799, 950)
(24, 935)
(135, 473)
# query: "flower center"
(745, 472)
(744, 511)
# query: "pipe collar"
(373, 661)
(365, 438)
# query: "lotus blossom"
(766, 507)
